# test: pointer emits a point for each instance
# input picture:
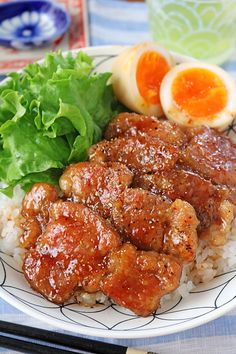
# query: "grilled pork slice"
(71, 254)
(132, 124)
(137, 280)
(217, 233)
(212, 155)
(142, 153)
(153, 223)
(213, 210)
(35, 210)
(95, 185)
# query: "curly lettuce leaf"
(49, 176)
(26, 150)
(50, 114)
(11, 106)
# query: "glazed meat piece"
(140, 153)
(38, 200)
(132, 124)
(140, 216)
(209, 201)
(180, 237)
(137, 279)
(152, 223)
(129, 124)
(213, 156)
(95, 185)
(217, 233)
(35, 210)
(55, 280)
(71, 254)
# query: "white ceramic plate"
(204, 304)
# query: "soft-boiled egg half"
(197, 93)
(137, 76)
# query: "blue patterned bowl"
(27, 24)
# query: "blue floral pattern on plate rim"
(26, 24)
(205, 303)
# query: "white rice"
(210, 261)
(10, 230)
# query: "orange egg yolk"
(199, 92)
(151, 69)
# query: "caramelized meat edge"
(95, 185)
(212, 155)
(35, 210)
(71, 254)
(132, 124)
(141, 154)
(153, 223)
(210, 202)
(137, 280)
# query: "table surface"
(119, 22)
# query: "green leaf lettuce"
(50, 114)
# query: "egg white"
(220, 120)
(124, 78)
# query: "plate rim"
(122, 334)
